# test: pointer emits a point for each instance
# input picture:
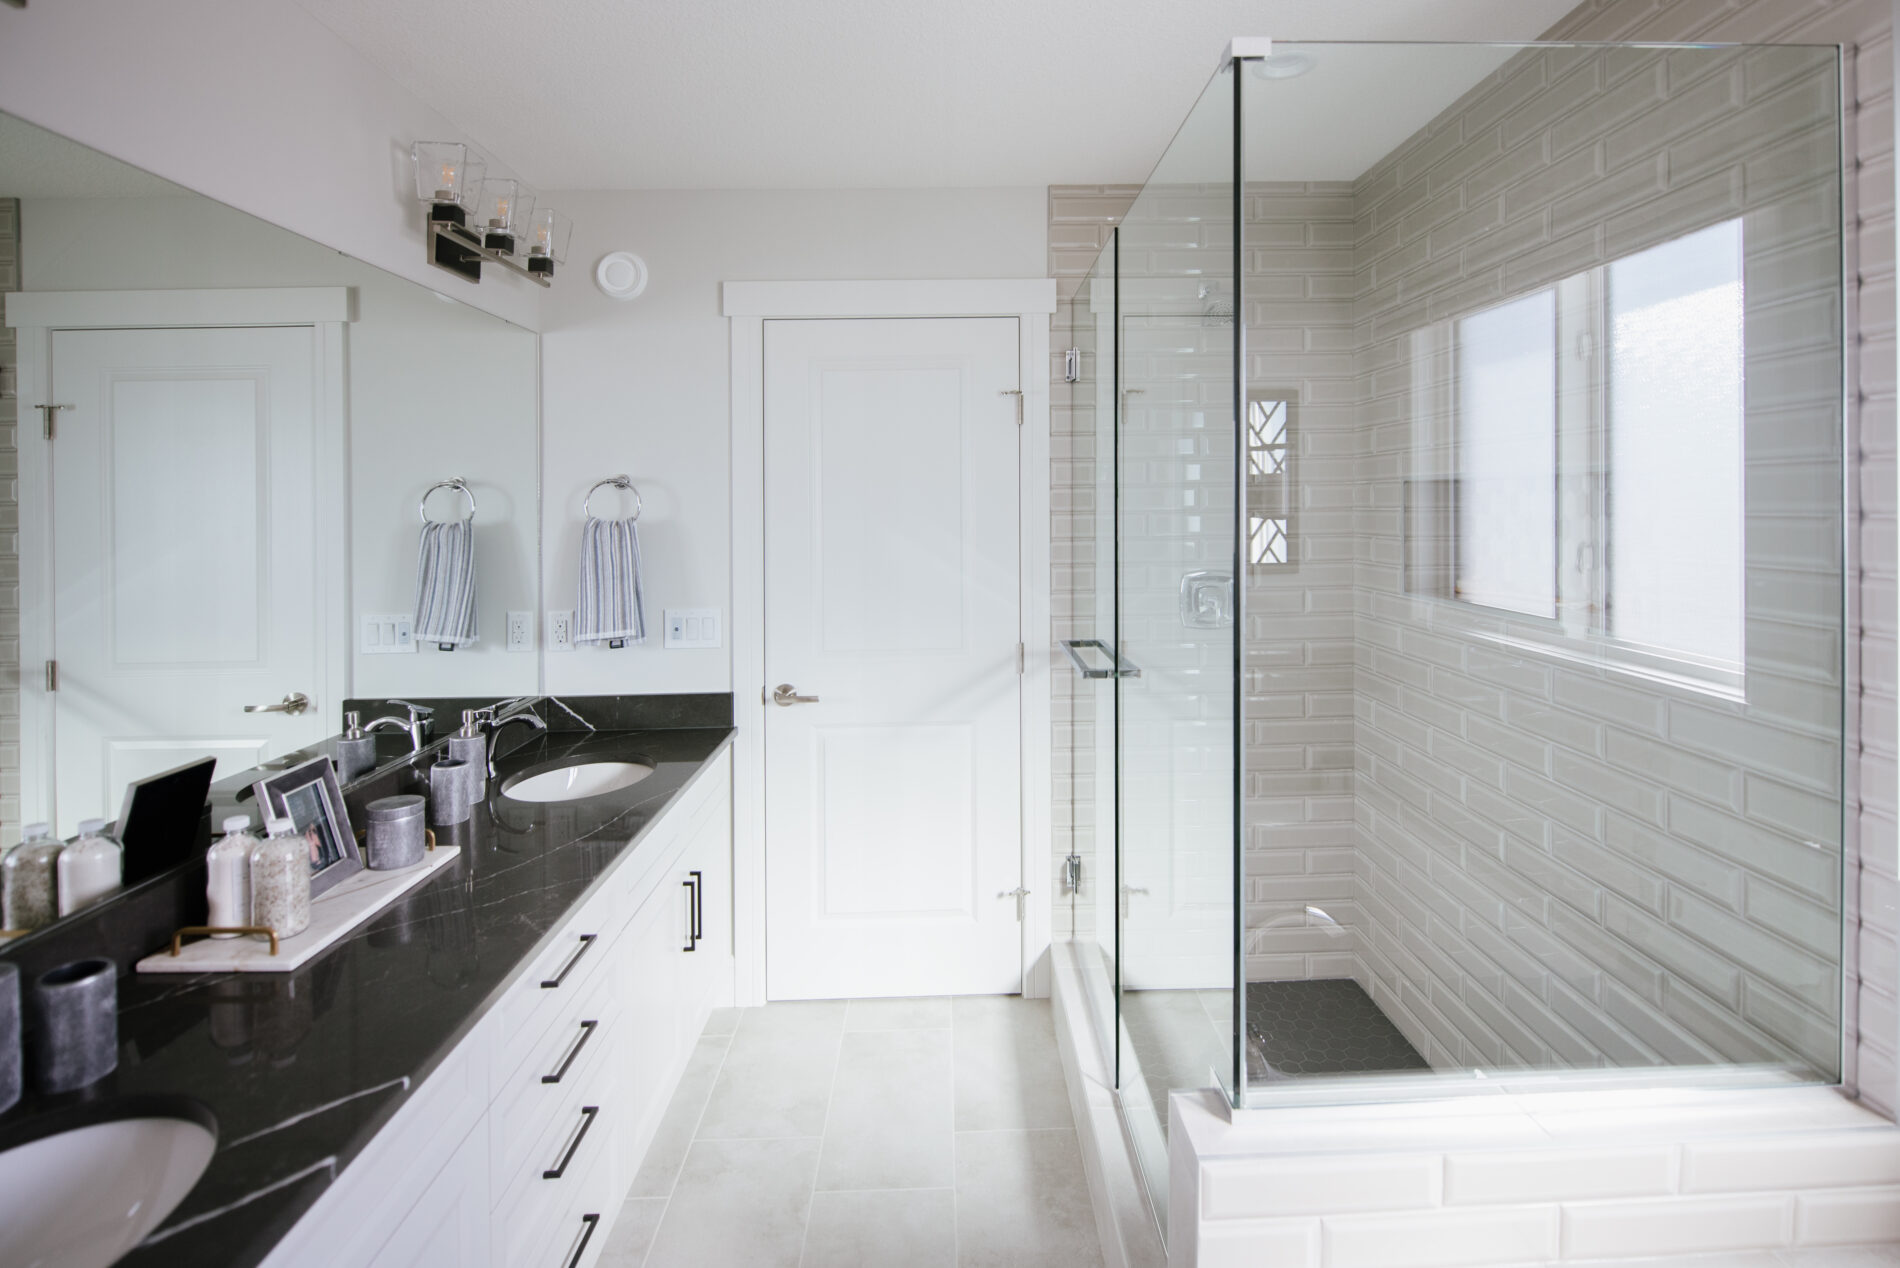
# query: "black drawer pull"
(699, 907)
(588, 1114)
(692, 913)
(587, 941)
(588, 1224)
(587, 1032)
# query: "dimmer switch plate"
(387, 635)
(693, 627)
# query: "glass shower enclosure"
(1455, 580)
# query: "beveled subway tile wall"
(1568, 864)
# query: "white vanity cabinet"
(519, 1148)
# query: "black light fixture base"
(447, 214)
(447, 252)
(541, 264)
(502, 242)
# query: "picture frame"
(309, 796)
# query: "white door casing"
(749, 305)
(892, 551)
(182, 540)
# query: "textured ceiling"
(709, 94)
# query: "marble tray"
(331, 917)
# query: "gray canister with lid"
(396, 832)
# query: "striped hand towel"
(445, 584)
(611, 609)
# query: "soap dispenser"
(356, 750)
(470, 747)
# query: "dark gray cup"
(448, 793)
(75, 1025)
(10, 1058)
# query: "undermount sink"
(81, 1198)
(573, 783)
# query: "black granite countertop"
(302, 1070)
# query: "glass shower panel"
(1085, 596)
(1545, 695)
(1177, 545)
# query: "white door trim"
(748, 305)
(36, 315)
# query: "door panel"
(893, 802)
(184, 541)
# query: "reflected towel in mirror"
(445, 584)
(611, 609)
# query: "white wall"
(641, 386)
(435, 389)
(254, 103)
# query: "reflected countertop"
(303, 1069)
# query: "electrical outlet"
(521, 631)
(692, 627)
(387, 635)
(560, 629)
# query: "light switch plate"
(387, 635)
(693, 627)
(521, 631)
(560, 629)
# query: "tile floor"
(925, 1133)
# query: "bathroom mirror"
(219, 523)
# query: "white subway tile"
(1447, 1238)
(1676, 1225)
(1793, 1161)
(1556, 1175)
(1848, 1217)
(1306, 1185)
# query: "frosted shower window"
(1507, 456)
(1675, 407)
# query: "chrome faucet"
(420, 723)
(495, 725)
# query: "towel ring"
(459, 484)
(618, 482)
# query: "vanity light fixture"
(473, 220)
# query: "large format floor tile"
(892, 1133)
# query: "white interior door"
(893, 802)
(184, 554)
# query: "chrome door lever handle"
(294, 703)
(787, 695)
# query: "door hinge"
(52, 675)
(1072, 872)
(49, 413)
(1018, 394)
(1022, 654)
(1072, 366)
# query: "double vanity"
(472, 1076)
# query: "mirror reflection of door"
(184, 547)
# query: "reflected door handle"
(294, 703)
(787, 695)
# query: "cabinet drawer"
(540, 1222)
(563, 969)
(529, 1101)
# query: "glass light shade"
(505, 205)
(548, 234)
(441, 171)
(471, 196)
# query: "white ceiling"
(35, 163)
(735, 94)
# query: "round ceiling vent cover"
(621, 275)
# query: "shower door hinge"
(1018, 394)
(1022, 654)
(1072, 366)
(49, 414)
(1019, 893)
(52, 675)
(1072, 873)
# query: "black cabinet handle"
(587, 942)
(588, 1114)
(588, 1224)
(587, 1032)
(692, 913)
(699, 907)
